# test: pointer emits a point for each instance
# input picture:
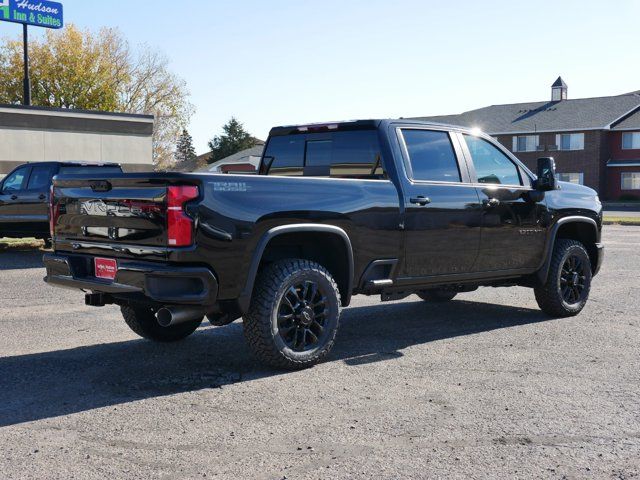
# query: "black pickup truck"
(384, 207)
(24, 195)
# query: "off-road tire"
(550, 294)
(261, 324)
(437, 295)
(142, 320)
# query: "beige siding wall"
(32, 134)
(22, 145)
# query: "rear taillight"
(54, 212)
(179, 224)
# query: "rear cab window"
(284, 155)
(342, 154)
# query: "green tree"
(69, 69)
(80, 69)
(184, 148)
(233, 140)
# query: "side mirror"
(547, 179)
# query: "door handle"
(420, 200)
(14, 197)
(490, 202)
(42, 196)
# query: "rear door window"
(431, 155)
(40, 178)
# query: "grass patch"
(20, 244)
(633, 221)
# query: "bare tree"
(153, 89)
(80, 69)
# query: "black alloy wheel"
(572, 279)
(302, 314)
(294, 314)
(566, 289)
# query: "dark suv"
(24, 195)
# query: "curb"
(625, 223)
(614, 205)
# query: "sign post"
(26, 100)
(40, 13)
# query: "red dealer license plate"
(105, 268)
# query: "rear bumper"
(163, 284)
(600, 259)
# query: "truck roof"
(76, 164)
(325, 126)
(343, 125)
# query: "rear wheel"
(437, 295)
(568, 283)
(142, 320)
(294, 314)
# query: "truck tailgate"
(127, 209)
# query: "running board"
(378, 284)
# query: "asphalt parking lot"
(483, 387)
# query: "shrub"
(629, 197)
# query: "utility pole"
(26, 99)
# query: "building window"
(631, 141)
(526, 143)
(570, 141)
(630, 180)
(572, 178)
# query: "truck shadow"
(18, 259)
(51, 384)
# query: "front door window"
(492, 166)
(15, 181)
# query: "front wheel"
(568, 283)
(294, 314)
(142, 320)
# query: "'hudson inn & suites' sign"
(39, 13)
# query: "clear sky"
(276, 62)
